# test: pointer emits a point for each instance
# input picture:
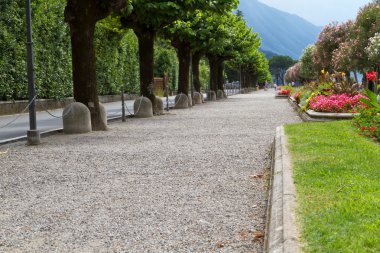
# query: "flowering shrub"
(371, 76)
(335, 103)
(284, 90)
(367, 122)
(297, 96)
(373, 48)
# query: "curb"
(312, 116)
(281, 231)
(51, 132)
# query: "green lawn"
(337, 176)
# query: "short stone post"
(181, 101)
(76, 119)
(143, 108)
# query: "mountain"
(282, 33)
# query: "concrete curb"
(312, 116)
(281, 231)
(51, 132)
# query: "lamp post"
(33, 135)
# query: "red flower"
(372, 129)
(284, 92)
(371, 76)
(363, 128)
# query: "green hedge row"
(117, 53)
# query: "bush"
(367, 122)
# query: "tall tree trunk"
(213, 62)
(82, 29)
(242, 85)
(184, 54)
(220, 75)
(195, 68)
(146, 59)
(247, 80)
(255, 80)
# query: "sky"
(320, 12)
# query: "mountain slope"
(282, 33)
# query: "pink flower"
(335, 103)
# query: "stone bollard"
(190, 100)
(143, 108)
(103, 113)
(197, 98)
(158, 107)
(220, 94)
(211, 96)
(76, 119)
(181, 101)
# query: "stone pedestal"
(220, 94)
(158, 108)
(190, 100)
(211, 96)
(33, 137)
(103, 113)
(143, 108)
(76, 119)
(181, 101)
(197, 98)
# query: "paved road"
(46, 122)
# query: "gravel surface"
(193, 180)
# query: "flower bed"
(341, 103)
(284, 92)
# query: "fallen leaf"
(219, 245)
(258, 235)
(257, 176)
(244, 235)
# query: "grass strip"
(337, 177)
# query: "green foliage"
(367, 122)
(307, 70)
(166, 62)
(204, 76)
(278, 65)
(371, 102)
(52, 50)
(367, 24)
(117, 60)
(12, 50)
(51, 47)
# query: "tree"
(307, 69)
(234, 41)
(148, 17)
(293, 73)
(278, 65)
(82, 16)
(367, 24)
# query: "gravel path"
(190, 181)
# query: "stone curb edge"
(49, 132)
(282, 234)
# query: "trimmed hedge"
(117, 53)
